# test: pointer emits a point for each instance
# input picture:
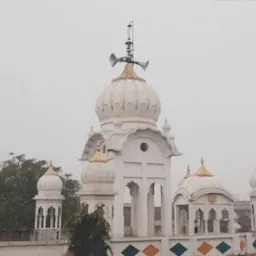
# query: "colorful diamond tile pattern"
(254, 244)
(223, 247)
(130, 250)
(205, 248)
(178, 249)
(150, 250)
(242, 245)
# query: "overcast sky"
(54, 64)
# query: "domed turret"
(98, 175)
(129, 99)
(202, 179)
(50, 181)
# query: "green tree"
(89, 233)
(18, 179)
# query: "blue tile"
(130, 250)
(254, 244)
(223, 247)
(178, 249)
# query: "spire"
(98, 157)
(51, 170)
(202, 171)
(129, 58)
(166, 127)
(188, 173)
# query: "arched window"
(40, 218)
(199, 222)
(211, 220)
(50, 218)
(224, 222)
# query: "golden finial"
(202, 171)
(51, 170)
(128, 73)
(188, 173)
(98, 157)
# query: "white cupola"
(128, 99)
(50, 182)
(98, 176)
(49, 205)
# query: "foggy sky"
(54, 64)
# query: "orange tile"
(204, 248)
(150, 250)
(242, 245)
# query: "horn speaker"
(113, 59)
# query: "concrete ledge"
(32, 243)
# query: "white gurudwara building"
(131, 151)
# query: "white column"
(143, 211)
(206, 226)
(167, 208)
(45, 217)
(175, 220)
(151, 212)
(118, 222)
(191, 221)
(134, 215)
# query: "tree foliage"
(18, 179)
(89, 233)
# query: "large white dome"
(130, 99)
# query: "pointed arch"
(131, 209)
(211, 220)
(40, 218)
(50, 217)
(199, 222)
(224, 221)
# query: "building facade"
(131, 152)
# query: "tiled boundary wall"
(237, 244)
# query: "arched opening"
(59, 218)
(253, 218)
(182, 219)
(211, 221)
(50, 218)
(155, 209)
(199, 222)
(40, 218)
(131, 206)
(224, 221)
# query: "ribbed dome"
(253, 180)
(50, 181)
(128, 98)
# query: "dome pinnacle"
(129, 50)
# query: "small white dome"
(253, 179)
(201, 180)
(50, 181)
(98, 170)
(130, 99)
(194, 184)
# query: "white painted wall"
(118, 245)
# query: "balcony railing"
(33, 235)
